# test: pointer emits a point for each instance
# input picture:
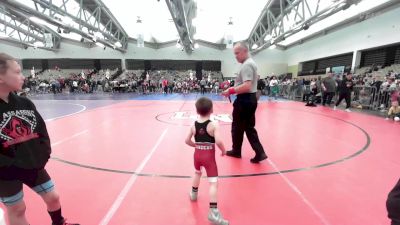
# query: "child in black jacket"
(24, 149)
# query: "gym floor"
(122, 160)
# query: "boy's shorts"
(13, 178)
(206, 159)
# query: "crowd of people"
(362, 91)
(368, 91)
(143, 82)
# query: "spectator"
(273, 84)
(345, 89)
(328, 87)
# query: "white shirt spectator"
(273, 83)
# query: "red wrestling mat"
(127, 164)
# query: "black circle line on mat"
(364, 148)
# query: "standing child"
(24, 149)
(394, 111)
(206, 135)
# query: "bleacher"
(168, 74)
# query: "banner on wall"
(229, 41)
(48, 38)
(338, 70)
(33, 72)
(140, 40)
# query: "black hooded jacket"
(24, 141)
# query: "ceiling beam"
(275, 28)
(28, 32)
(390, 5)
(53, 14)
(182, 13)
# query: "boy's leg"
(213, 190)
(52, 200)
(44, 186)
(214, 216)
(16, 213)
(196, 179)
(11, 195)
(195, 185)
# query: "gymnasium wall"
(271, 61)
(293, 70)
(383, 29)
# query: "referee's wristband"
(231, 91)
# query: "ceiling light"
(230, 21)
(196, 46)
(254, 46)
(118, 44)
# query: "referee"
(245, 105)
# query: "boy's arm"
(43, 135)
(218, 140)
(188, 140)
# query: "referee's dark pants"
(244, 120)
(393, 204)
(202, 89)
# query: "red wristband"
(231, 91)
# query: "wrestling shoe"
(215, 217)
(193, 195)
